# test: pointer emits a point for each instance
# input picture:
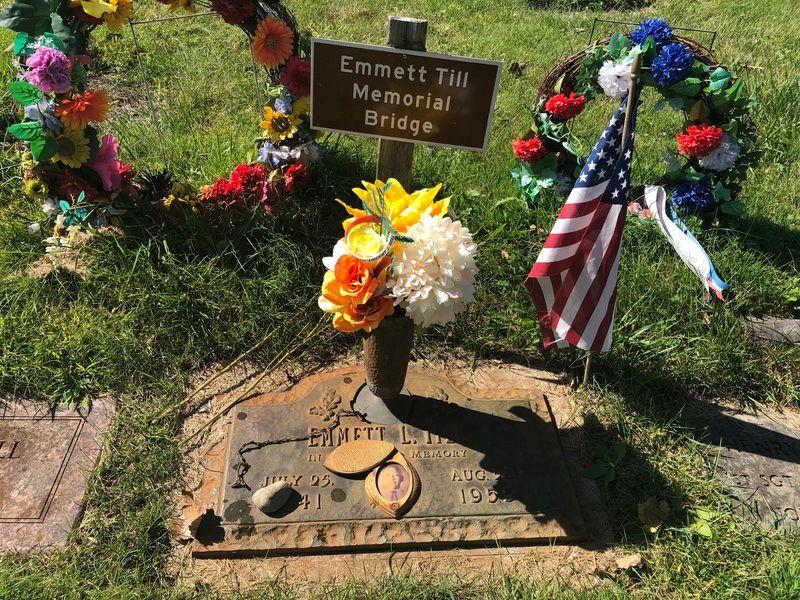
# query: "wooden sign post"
(402, 95)
(395, 159)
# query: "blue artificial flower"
(284, 104)
(273, 156)
(673, 64)
(44, 111)
(658, 29)
(693, 197)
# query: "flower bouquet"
(400, 262)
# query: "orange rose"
(349, 292)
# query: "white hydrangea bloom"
(614, 79)
(307, 153)
(50, 208)
(433, 277)
(723, 156)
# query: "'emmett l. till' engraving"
(489, 464)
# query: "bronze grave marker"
(44, 460)
(403, 95)
(489, 464)
(758, 456)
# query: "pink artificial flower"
(49, 70)
(107, 165)
(296, 76)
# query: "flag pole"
(636, 66)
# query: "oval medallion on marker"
(241, 416)
(358, 456)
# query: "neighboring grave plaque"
(489, 463)
(45, 457)
(758, 456)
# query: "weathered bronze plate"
(45, 459)
(489, 463)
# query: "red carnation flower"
(234, 12)
(529, 150)
(296, 76)
(296, 177)
(699, 140)
(249, 178)
(222, 193)
(564, 107)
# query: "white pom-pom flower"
(614, 79)
(433, 277)
(723, 156)
(339, 250)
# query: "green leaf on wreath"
(721, 193)
(688, 87)
(660, 104)
(546, 179)
(699, 111)
(44, 148)
(24, 93)
(78, 74)
(733, 93)
(27, 16)
(27, 131)
(718, 79)
(522, 175)
(693, 175)
(732, 129)
(63, 34)
(734, 208)
(619, 45)
(21, 41)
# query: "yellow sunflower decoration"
(279, 126)
(73, 147)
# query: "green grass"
(161, 304)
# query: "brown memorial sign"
(402, 95)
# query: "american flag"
(574, 280)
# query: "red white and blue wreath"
(714, 148)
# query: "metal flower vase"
(387, 351)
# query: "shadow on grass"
(779, 244)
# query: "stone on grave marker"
(758, 456)
(489, 464)
(45, 458)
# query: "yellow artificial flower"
(73, 147)
(279, 126)
(96, 8)
(402, 209)
(302, 106)
(119, 13)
